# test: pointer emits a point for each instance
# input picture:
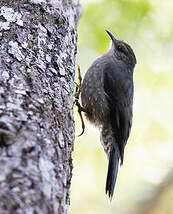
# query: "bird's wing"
(119, 92)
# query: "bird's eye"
(120, 48)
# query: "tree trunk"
(37, 66)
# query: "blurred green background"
(145, 181)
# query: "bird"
(107, 99)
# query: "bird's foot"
(76, 100)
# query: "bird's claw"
(76, 101)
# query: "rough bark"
(37, 66)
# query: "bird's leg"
(76, 101)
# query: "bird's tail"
(112, 170)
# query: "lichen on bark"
(37, 65)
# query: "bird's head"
(122, 51)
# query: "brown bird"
(107, 97)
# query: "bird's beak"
(111, 36)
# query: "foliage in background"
(121, 17)
(144, 182)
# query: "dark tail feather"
(112, 171)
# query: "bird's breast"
(93, 95)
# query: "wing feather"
(119, 92)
